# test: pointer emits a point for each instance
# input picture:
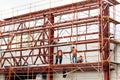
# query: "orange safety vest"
(74, 51)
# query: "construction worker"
(74, 55)
(80, 59)
(54, 41)
(59, 57)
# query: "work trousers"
(58, 58)
(74, 58)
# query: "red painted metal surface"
(42, 32)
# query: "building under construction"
(92, 26)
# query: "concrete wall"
(2, 77)
(76, 76)
(80, 76)
(115, 74)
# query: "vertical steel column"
(43, 36)
(106, 42)
(104, 36)
(51, 49)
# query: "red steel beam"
(60, 44)
(50, 48)
(45, 40)
(105, 42)
(57, 25)
(92, 66)
(92, 50)
(58, 10)
(48, 30)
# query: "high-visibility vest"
(74, 51)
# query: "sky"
(6, 4)
(10, 8)
(15, 7)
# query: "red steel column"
(104, 36)
(51, 49)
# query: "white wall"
(115, 74)
(2, 77)
(80, 76)
(77, 76)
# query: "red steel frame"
(46, 35)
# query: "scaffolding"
(26, 48)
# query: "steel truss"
(40, 34)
